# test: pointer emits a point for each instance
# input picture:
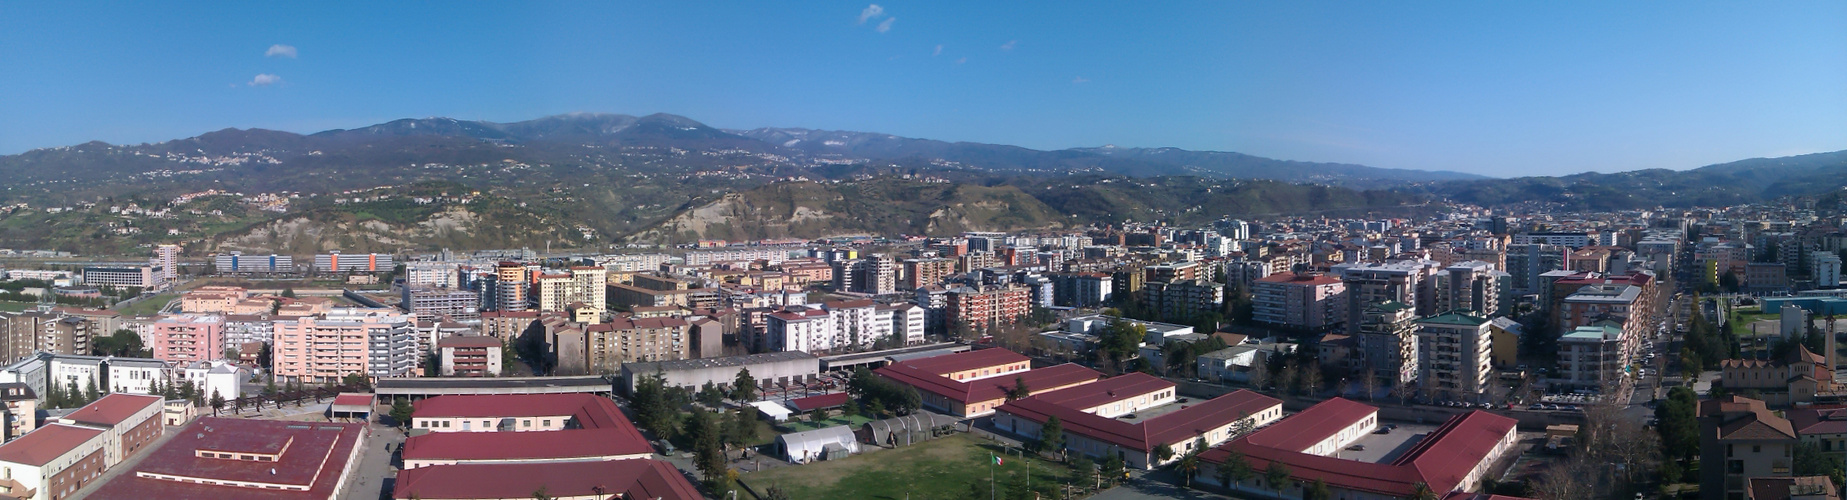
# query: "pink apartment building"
(188, 337)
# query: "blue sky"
(1497, 88)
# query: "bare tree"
(1570, 479)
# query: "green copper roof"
(1454, 318)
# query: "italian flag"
(996, 458)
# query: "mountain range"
(591, 179)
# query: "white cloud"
(938, 51)
(872, 12)
(280, 50)
(962, 60)
(1009, 45)
(886, 25)
(1080, 80)
(264, 80)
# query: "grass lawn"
(803, 425)
(16, 306)
(949, 467)
(148, 307)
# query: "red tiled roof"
(112, 409)
(539, 445)
(317, 455)
(821, 401)
(1106, 391)
(1313, 425)
(1812, 421)
(1146, 435)
(639, 478)
(45, 444)
(963, 361)
(1446, 456)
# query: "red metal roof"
(639, 478)
(1106, 391)
(502, 405)
(112, 409)
(353, 400)
(317, 455)
(987, 389)
(1179, 425)
(964, 361)
(45, 444)
(1440, 460)
(1313, 425)
(821, 401)
(539, 445)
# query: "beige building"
(1741, 439)
(52, 463)
(630, 340)
(1454, 355)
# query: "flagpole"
(990, 476)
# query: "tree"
(708, 455)
(90, 392)
(217, 402)
(265, 355)
(1277, 476)
(358, 381)
(1317, 490)
(540, 494)
(775, 493)
(288, 293)
(742, 428)
(1052, 435)
(1421, 491)
(1019, 390)
(1235, 469)
(122, 343)
(744, 388)
(75, 395)
(1188, 467)
(649, 399)
(402, 411)
(1811, 461)
(709, 395)
(54, 396)
(1163, 452)
(1112, 467)
(1082, 468)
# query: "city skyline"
(1495, 90)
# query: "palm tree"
(1188, 467)
(1421, 491)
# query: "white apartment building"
(1453, 352)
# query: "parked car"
(1357, 447)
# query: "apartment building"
(186, 338)
(353, 263)
(1454, 354)
(1180, 300)
(375, 342)
(1592, 357)
(607, 346)
(1471, 286)
(985, 308)
(919, 273)
(1307, 301)
(1406, 282)
(1082, 290)
(1388, 335)
(470, 356)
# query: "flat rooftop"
(316, 458)
(739, 361)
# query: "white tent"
(776, 412)
(806, 446)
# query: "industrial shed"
(831, 443)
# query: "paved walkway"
(378, 469)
